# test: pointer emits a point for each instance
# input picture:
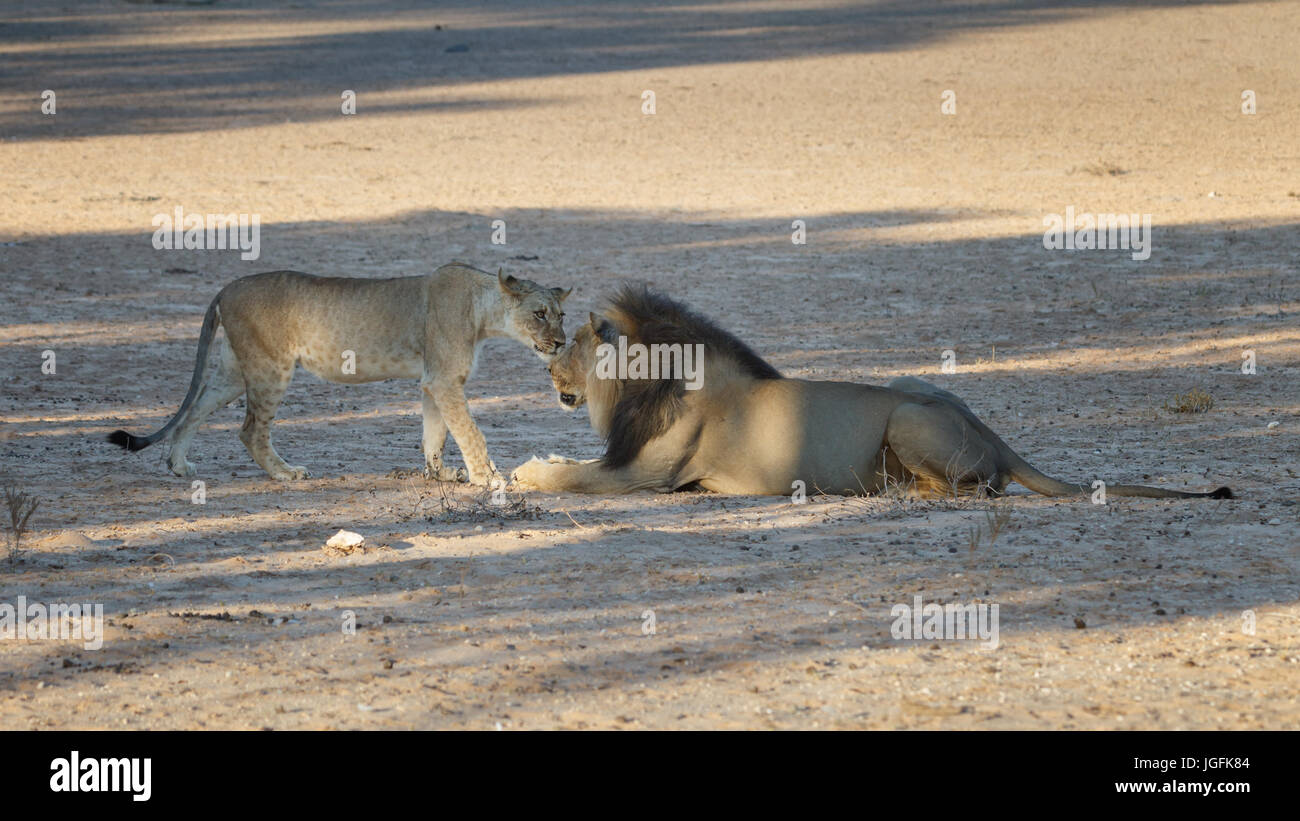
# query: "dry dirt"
(924, 233)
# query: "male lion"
(352, 330)
(748, 430)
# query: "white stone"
(345, 539)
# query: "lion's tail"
(132, 442)
(1039, 482)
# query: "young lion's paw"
(491, 478)
(185, 468)
(291, 473)
(446, 474)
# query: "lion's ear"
(603, 328)
(561, 294)
(508, 283)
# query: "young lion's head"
(533, 314)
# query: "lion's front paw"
(557, 459)
(528, 476)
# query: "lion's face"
(534, 314)
(570, 367)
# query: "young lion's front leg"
(450, 400)
(435, 437)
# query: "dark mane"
(647, 408)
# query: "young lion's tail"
(132, 442)
(1029, 476)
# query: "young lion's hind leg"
(266, 386)
(224, 386)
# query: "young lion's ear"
(561, 294)
(508, 283)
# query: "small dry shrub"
(1194, 401)
(21, 507)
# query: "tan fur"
(421, 327)
(745, 435)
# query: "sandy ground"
(924, 233)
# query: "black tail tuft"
(1224, 492)
(125, 440)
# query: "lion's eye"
(540, 314)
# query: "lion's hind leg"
(945, 454)
(891, 478)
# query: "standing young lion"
(748, 430)
(352, 330)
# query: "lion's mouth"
(569, 400)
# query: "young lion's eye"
(540, 314)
